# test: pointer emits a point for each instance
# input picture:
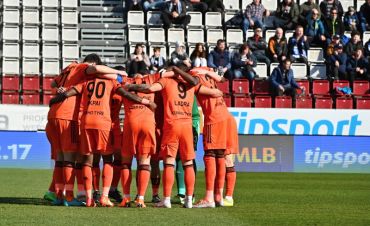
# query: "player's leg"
(117, 167)
(230, 180)
(69, 179)
(189, 183)
(168, 180)
(96, 176)
(59, 181)
(180, 180)
(81, 195)
(50, 195)
(87, 161)
(220, 176)
(155, 179)
(143, 172)
(107, 179)
(126, 177)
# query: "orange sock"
(189, 179)
(143, 177)
(59, 182)
(96, 177)
(87, 177)
(230, 181)
(116, 174)
(126, 178)
(79, 177)
(210, 173)
(52, 184)
(69, 179)
(107, 177)
(168, 179)
(220, 177)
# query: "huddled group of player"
(161, 122)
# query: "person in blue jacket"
(337, 64)
(219, 59)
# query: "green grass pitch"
(260, 199)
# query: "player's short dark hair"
(93, 58)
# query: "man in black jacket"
(175, 13)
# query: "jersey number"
(182, 90)
(99, 89)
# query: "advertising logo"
(332, 154)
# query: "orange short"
(215, 135)
(138, 138)
(158, 137)
(63, 135)
(178, 137)
(95, 141)
(115, 139)
(232, 142)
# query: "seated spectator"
(196, 5)
(157, 61)
(367, 49)
(179, 57)
(258, 46)
(357, 67)
(327, 5)
(365, 13)
(253, 16)
(305, 9)
(175, 13)
(298, 46)
(199, 56)
(287, 15)
(353, 21)
(337, 64)
(277, 46)
(219, 59)
(354, 43)
(139, 61)
(330, 49)
(215, 5)
(315, 31)
(154, 5)
(243, 63)
(282, 81)
(333, 26)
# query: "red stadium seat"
(31, 83)
(31, 98)
(261, 87)
(344, 103)
(320, 87)
(10, 82)
(262, 102)
(240, 86)
(10, 97)
(306, 85)
(224, 86)
(46, 82)
(361, 88)
(341, 84)
(227, 99)
(46, 98)
(363, 103)
(323, 102)
(283, 102)
(242, 101)
(303, 102)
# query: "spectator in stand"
(330, 49)
(215, 5)
(287, 15)
(219, 59)
(199, 56)
(179, 57)
(298, 46)
(357, 67)
(258, 46)
(354, 43)
(196, 5)
(337, 64)
(154, 5)
(315, 31)
(277, 46)
(353, 21)
(333, 25)
(175, 13)
(282, 81)
(139, 61)
(243, 63)
(365, 12)
(157, 61)
(367, 49)
(253, 16)
(327, 5)
(305, 9)
(134, 5)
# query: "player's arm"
(135, 98)
(215, 76)
(62, 96)
(210, 92)
(144, 88)
(167, 72)
(193, 81)
(107, 71)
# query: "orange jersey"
(116, 104)
(178, 99)
(96, 103)
(214, 109)
(69, 108)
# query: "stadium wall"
(280, 140)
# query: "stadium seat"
(245, 3)
(366, 37)
(362, 103)
(156, 36)
(240, 86)
(320, 87)
(228, 15)
(273, 66)
(262, 102)
(50, 16)
(50, 3)
(283, 102)
(361, 88)
(224, 86)
(46, 82)
(11, 15)
(30, 33)
(136, 35)
(231, 5)
(10, 32)
(112, 17)
(344, 103)
(175, 34)
(31, 3)
(31, 83)
(10, 65)
(303, 102)
(234, 36)
(269, 34)
(261, 70)
(153, 18)
(31, 66)
(318, 71)
(10, 97)
(242, 101)
(261, 87)
(341, 84)
(67, 61)
(69, 3)
(323, 102)
(31, 98)
(315, 55)
(299, 70)
(10, 49)
(69, 33)
(347, 3)
(195, 35)
(214, 34)
(10, 82)
(227, 99)
(348, 34)
(270, 4)
(250, 33)
(50, 50)
(31, 49)
(50, 66)
(50, 33)
(10, 3)
(196, 19)
(213, 19)
(30, 16)
(70, 16)
(70, 51)
(288, 34)
(306, 85)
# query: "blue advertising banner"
(24, 150)
(332, 154)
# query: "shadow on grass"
(23, 201)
